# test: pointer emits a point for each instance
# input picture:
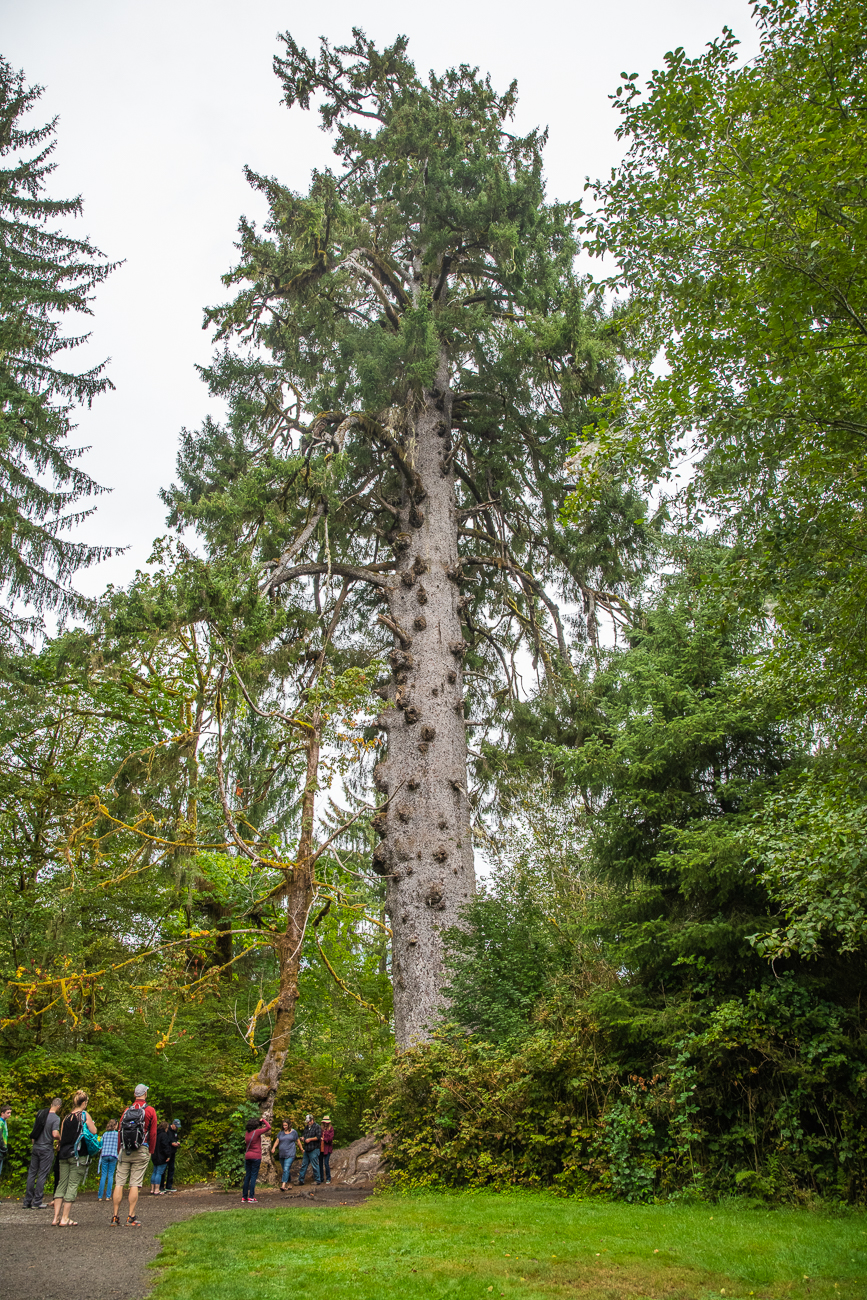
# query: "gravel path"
(39, 1262)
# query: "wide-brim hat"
(326, 1119)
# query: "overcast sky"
(162, 103)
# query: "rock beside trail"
(358, 1164)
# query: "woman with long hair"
(255, 1131)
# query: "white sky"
(161, 104)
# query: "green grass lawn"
(517, 1245)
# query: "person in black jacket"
(310, 1140)
(169, 1175)
(160, 1157)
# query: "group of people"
(130, 1143)
(124, 1151)
(317, 1143)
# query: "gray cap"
(141, 1089)
(176, 1123)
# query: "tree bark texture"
(426, 849)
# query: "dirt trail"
(85, 1263)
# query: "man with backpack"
(46, 1129)
(137, 1139)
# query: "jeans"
(106, 1177)
(325, 1165)
(310, 1158)
(287, 1168)
(156, 1175)
(251, 1173)
(40, 1167)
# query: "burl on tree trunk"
(426, 850)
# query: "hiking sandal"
(115, 1221)
(132, 1221)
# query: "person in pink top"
(253, 1158)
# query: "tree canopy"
(45, 274)
(739, 222)
(596, 549)
(411, 347)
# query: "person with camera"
(255, 1131)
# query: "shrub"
(29, 1083)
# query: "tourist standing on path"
(169, 1175)
(5, 1116)
(46, 1130)
(284, 1145)
(74, 1156)
(161, 1157)
(325, 1149)
(253, 1158)
(311, 1138)
(107, 1161)
(138, 1138)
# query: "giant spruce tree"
(407, 353)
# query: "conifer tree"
(413, 348)
(44, 274)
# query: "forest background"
(658, 990)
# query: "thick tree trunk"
(426, 850)
(263, 1086)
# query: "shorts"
(131, 1165)
(72, 1175)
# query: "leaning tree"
(408, 352)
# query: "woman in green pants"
(73, 1164)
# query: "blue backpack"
(90, 1141)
